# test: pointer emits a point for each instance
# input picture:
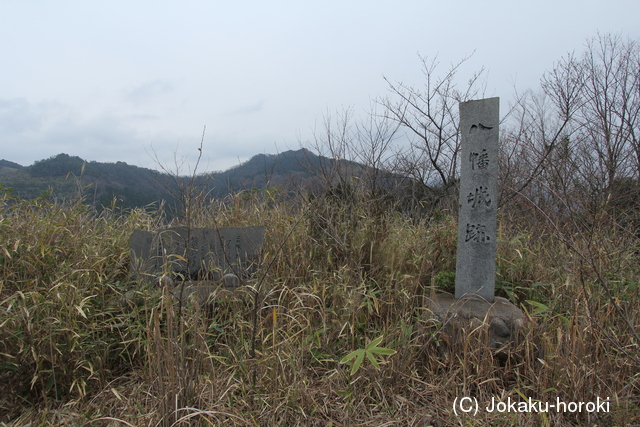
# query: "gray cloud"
(248, 109)
(31, 132)
(253, 81)
(149, 90)
(18, 116)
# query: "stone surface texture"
(476, 257)
(503, 319)
(197, 253)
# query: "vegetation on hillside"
(68, 177)
(99, 184)
(333, 329)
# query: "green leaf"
(357, 363)
(370, 351)
(375, 342)
(351, 355)
(538, 284)
(382, 350)
(373, 360)
(539, 307)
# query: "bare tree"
(359, 147)
(568, 151)
(598, 96)
(610, 114)
(335, 142)
(536, 152)
(374, 148)
(573, 142)
(431, 119)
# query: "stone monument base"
(502, 321)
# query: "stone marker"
(197, 253)
(474, 307)
(476, 259)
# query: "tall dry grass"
(84, 344)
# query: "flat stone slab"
(197, 252)
(503, 319)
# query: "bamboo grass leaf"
(357, 363)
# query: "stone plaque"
(198, 252)
(476, 259)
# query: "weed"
(81, 342)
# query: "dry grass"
(83, 344)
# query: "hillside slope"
(100, 183)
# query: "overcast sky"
(119, 80)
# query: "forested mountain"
(70, 176)
(100, 183)
(7, 166)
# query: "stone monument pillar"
(475, 309)
(476, 260)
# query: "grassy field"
(81, 343)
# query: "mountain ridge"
(68, 176)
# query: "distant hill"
(8, 167)
(292, 169)
(69, 176)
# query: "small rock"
(499, 327)
(230, 281)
